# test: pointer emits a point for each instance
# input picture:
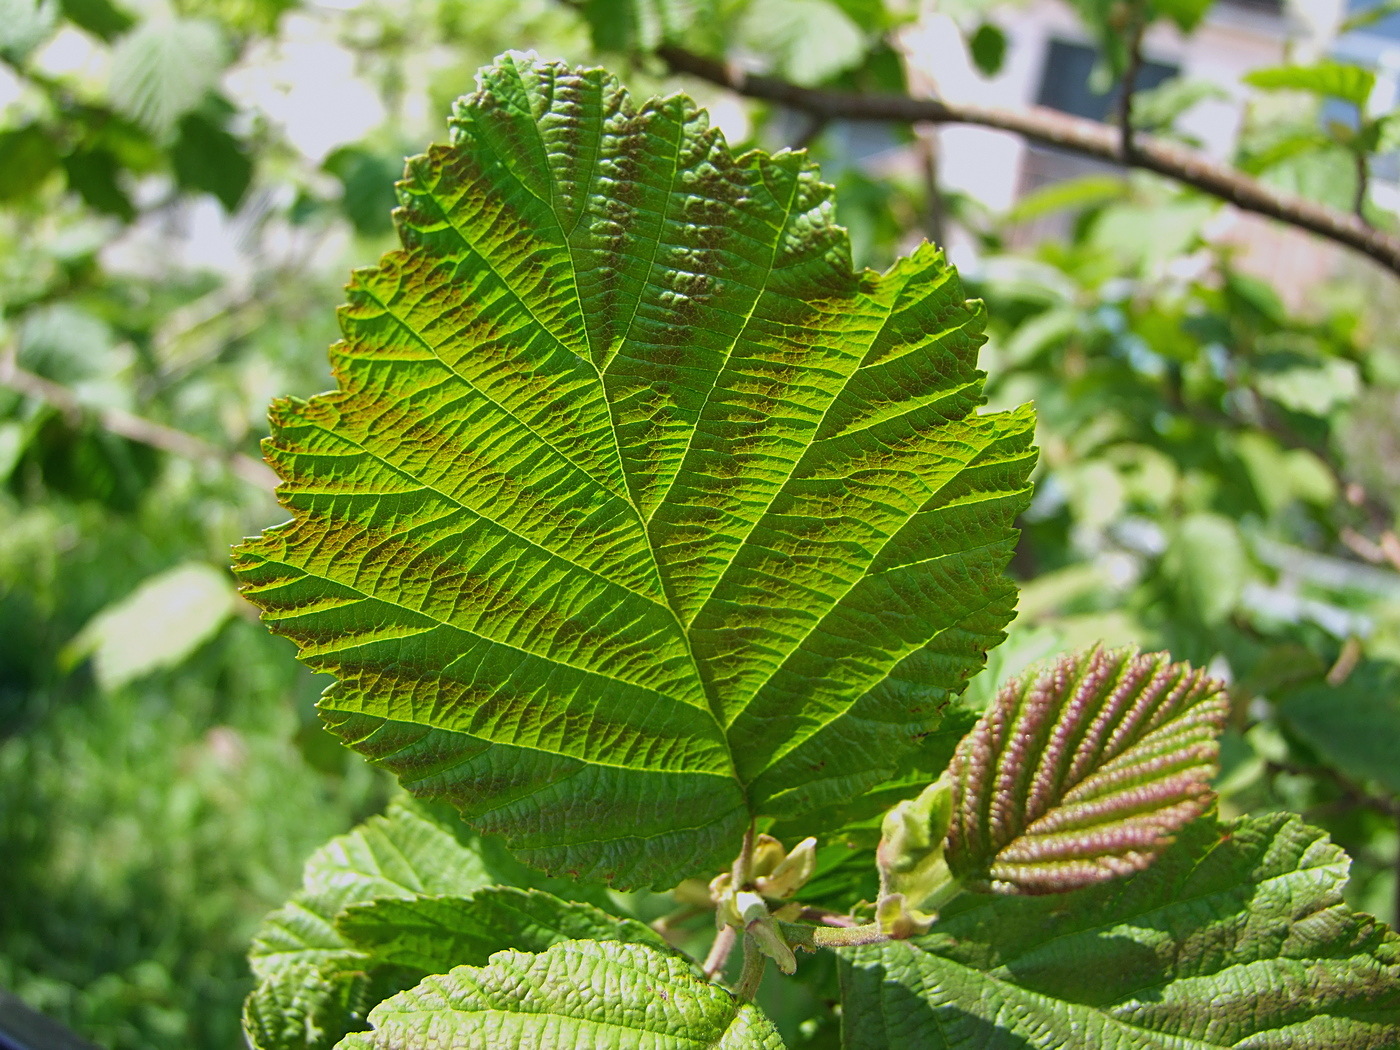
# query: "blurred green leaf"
(1315, 388)
(1087, 191)
(1207, 564)
(27, 156)
(162, 69)
(24, 25)
(1355, 725)
(987, 46)
(95, 176)
(1186, 14)
(642, 25)
(158, 625)
(808, 40)
(1365, 17)
(102, 18)
(208, 158)
(1326, 79)
(367, 180)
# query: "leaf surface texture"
(1237, 937)
(638, 512)
(577, 994)
(1083, 772)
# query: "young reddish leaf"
(1084, 772)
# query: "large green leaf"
(579, 993)
(638, 512)
(434, 934)
(1236, 937)
(313, 983)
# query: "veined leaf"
(580, 993)
(434, 934)
(1236, 937)
(638, 512)
(313, 984)
(1083, 772)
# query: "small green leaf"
(1083, 772)
(595, 994)
(1237, 937)
(209, 159)
(102, 18)
(987, 46)
(95, 176)
(1326, 79)
(434, 934)
(367, 187)
(1355, 725)
(27, 156)
(162, 69)
(24, 25)
(158, 625)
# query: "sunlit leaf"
(638, 513)
(435, 933)
(601, 995)
(1237, 937)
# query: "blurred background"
(185, 185)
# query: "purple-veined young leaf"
(1083, 772)
(638, 513)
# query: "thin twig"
(719, 951)
(1363, 182)
(1047, 126)
(131, 427)
(1138, 26)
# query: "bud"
(914, 878)
(792, 873)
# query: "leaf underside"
(578, 993)
(1083, 772)
(1236, 937)
(637, 513)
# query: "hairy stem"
(810, 938)
(755, 962)
(719, 951)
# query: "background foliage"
(1217, 473)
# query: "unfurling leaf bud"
(914, 878)
(792, 872)
(1084, 772)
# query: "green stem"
(755, 962)
(810, 938)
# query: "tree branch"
(1052, 128)
(131, 427)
